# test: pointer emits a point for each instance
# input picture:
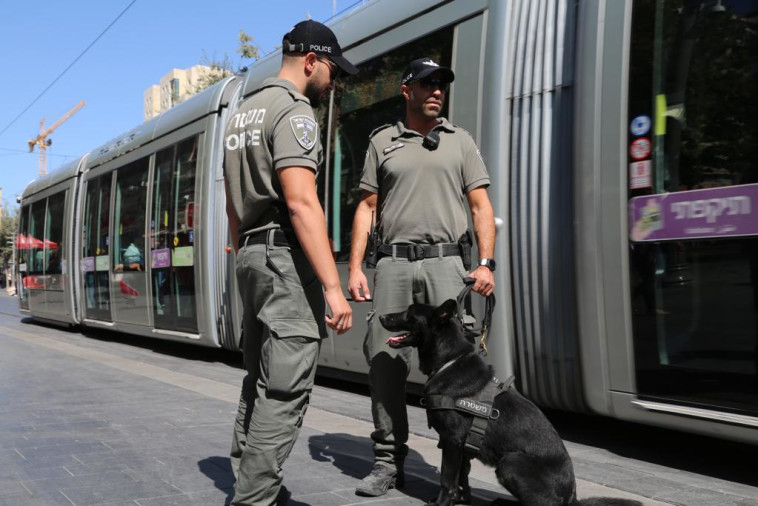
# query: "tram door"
(56, 275)
(693, 188)
(129, 279)
(95, 246)
(22, 258)
(172, 238)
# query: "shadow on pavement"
(219, 470)
(353, 457)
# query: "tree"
(8, 232)
(221, 68)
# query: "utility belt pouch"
(465, 242)
(371, 255)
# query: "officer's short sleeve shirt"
(422, 192)
(273, 129)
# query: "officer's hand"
(485, 280)
(357, 285)
(341, 318)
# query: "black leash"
(489, 306)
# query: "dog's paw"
(463, 496)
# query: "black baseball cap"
(312, 36)
(422, 67)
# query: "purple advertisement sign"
(88, 264)
(711, 213)
(161, 258)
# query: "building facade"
(174, 88)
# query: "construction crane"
(43, 142)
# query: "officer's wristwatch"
(488, 263)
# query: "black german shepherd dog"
(527, 453)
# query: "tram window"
(95, 246)
(53, 238)
(129, 216)
(184, 202)
(364, 102)
(96, 218)
(694, 110)
(35, 245)
(162, 216)
(172, 222)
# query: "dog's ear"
(446, 310)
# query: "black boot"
(382, 478)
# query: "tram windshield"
(693, 201)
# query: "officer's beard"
(420, 110)
(313, 93)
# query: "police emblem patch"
(305, 131)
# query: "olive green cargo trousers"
(283, 324)
(399, 283)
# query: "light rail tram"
(622, 142)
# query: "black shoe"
(381, 479)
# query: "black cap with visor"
(423, 67)
(312, 36)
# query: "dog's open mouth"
(400, 340)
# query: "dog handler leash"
(489, 306)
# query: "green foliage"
(223, 67)
(248, 50)
(8, 232)
(219, 69)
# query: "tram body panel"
(44, 246)
(593, 75)
(123, 211)
(158, 195)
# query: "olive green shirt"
(422, 192)
(273, 129)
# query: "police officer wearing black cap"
(285, 270)
(417, 178)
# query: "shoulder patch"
(305, 131)
(377, 130)
(393, 147)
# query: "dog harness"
(480, 407)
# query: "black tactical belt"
(413, 252)
(281, 238)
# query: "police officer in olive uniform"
(417, 177)
(285, 269)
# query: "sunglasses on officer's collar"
(432, 83)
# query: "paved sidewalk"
(110, 419)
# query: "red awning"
(29, 242)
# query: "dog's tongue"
(395, 339)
